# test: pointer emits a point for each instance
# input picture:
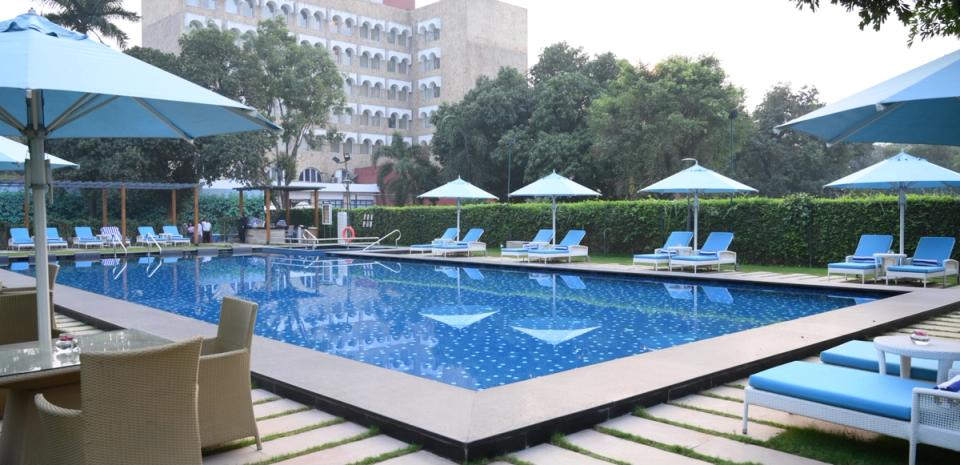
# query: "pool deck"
(464, 424)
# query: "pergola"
(123, 187)
(266, 201)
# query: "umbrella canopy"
(697, 180)
(916, 107)
(458, 189)
(57, 83)
(457, 316)
(14, 155)
(901, 172)
(553, 185)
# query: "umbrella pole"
(38, 173)
(903, 211)
(696, 220)
(554, 209)
(458, 218)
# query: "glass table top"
(31, 357)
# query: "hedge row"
(797, 230)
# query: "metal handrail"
(151, 237)
(395, 242)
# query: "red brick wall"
(403, 4)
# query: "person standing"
(206, 227)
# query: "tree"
(781, 163)
(925, 18)
(556, 59)
(93, 17)
(405, 171)
(297, 86)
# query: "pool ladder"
(396, 241)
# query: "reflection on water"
(471, 327)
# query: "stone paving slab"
(287, 445)
(349, 453)
(275, 407)
(627, 451)
(548, 454)
(260, 394)
(706, 444)
(712, 422)
(423, 458)
(292, 422)
(726, 391)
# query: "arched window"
(348, 86)
(377, 120)
(365, 89)
(365, 60)
(246, 8)
(310, 175)
(348, 27)
(375, 33)
(347, 116)
(230, 6)
(436, 61)
(318, 21)
(348, 145)
(195, 25)
(270, 9)
(365, 30)
(402, 39)
(404, 94)
(376, 91)
(365, 118)
(425, 63)
(304, 19)
(348, 57)
(392, 36)
(404, 122)
(392, 65)
(337, 23)
(392, 122)
(402, 66)
(365, 147)
(436, 90)
(337, 55)
(434, 32)
(425, 92)
(375, 62)
(392, 93)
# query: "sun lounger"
(930, 260)
(903, 408)
(147, 236)
(83, 237)
(54, 240)
(473, 274)
(573, 282)
(449, 235)
(717, 295)
(677, 242)
(519, 249)
(111, 236)
(862, 355)
(172, 235)
(863, 263)
(568, 248)
(20, 239)
(715, 252)
(468, 245)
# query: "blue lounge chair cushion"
(696, 258)
(857, 390)
(854, 265)
(549, 251)
(915, 268)
(862, 355)
(517, 249)
(455, 245)
(652, 256)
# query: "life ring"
(348, 234)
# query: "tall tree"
(558, 58)
(786, 162)
(297, 86)
(404, 171)
(925, 18)
(95, 17)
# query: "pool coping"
(464, 425)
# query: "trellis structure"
(287, 189)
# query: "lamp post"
(346, 176)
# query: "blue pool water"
(471, 327)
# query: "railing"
(356, 241)
(395, 241)
(151, 237)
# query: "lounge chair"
(903, 408)
(172, 235)
(468, 245)
(568, 248)
(862, 355)
(930, 260)
(717, 295)
(573, 282)
(674, 244)
(54, 240)
(519, 249)
(863, 263)
(20, 239)
(473, 274)
(147, 236)
(715, 252)
(84, 237)
(111, 236)
(449, 235)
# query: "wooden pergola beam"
(196, 215)
(316, 212)
(266, 203)
(103, 206)
(173, 206)
(123, 212)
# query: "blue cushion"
(652, 256)
(915, 269)
(451, 246)
(696, 258)
(857, 390)
(516, 249)
(862, 355)
(853, 265)
(548, 251)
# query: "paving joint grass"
(728, 415)
(672, 448)
(330, 445)
(265, 400)
(283, 413)
(719, 396)
(249, 441)
(387, 455)
(560, 440)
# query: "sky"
(759, 42)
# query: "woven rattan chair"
(226, 406)
(137, 407)
(52, 270)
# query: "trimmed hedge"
(798, 230)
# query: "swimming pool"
(473, 327)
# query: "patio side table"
(944, 352)
(887, 260)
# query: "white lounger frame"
(725, 257)
(520, 244)
(950, 267)
(932, 411)
(469, 249)
(862, 273)
(572, 251)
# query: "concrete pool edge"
(465, 424)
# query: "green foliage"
(798, 230)
(925, 18)
(404, 172)
(93, 17)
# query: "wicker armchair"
(226, 406)
(138, 407)
(52, 270)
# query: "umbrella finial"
(694, 160)
(32, 11)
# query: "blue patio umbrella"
(458, 189)
(916, 107)
(14, 156)
(59, 84)
(553, 185)
(901, 172)
(697, 180)
(457, 316)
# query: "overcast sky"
(759, 42)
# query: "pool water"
(474, 327)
